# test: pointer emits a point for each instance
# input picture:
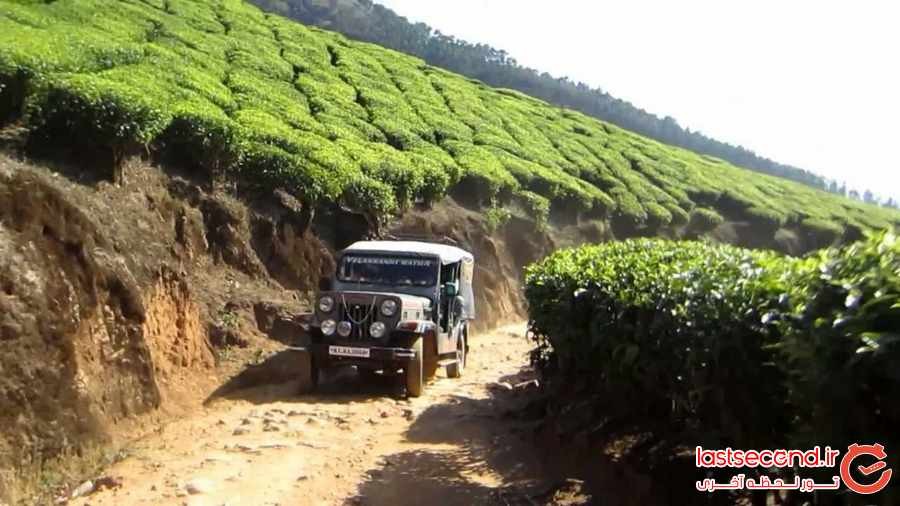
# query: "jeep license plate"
(348, 351)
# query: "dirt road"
(351, 443)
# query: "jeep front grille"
(361, 316)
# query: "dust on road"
(351, 443)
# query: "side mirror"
(324, 284)
(450, 290)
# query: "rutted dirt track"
(351, 443)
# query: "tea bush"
(666, 332)
(231, 89)
(93, 108)
(534, 206)
(204, 137)
(824, 232)
(703, 220)
(679, 215)
(840, 353)
(716, 345)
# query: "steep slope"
(224, 88)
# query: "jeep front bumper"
(323, 355)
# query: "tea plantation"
(245, 94)
(721, 346)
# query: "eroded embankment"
(73, 358)
(108, 298)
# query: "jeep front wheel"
(430, 360)
(414, 373)
(308, 374)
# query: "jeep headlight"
(344, 329)
(389, 307)
(328, 327)
(377, 330)
(326, 303)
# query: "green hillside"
(374, 22)
(233, 90)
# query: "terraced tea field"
(236, 91)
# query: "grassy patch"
(40, 480)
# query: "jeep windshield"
(388, 270)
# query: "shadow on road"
(428, 477)
(276, 379)
(468, 449)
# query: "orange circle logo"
(856, 450)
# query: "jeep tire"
(309, 373)
(430, 359)
(455, 370)
(414, 370)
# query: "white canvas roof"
(447, 254)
